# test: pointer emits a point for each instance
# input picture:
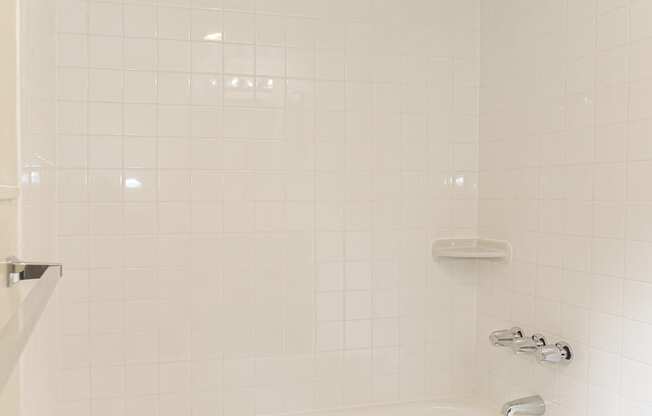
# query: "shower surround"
(247, 193)
(565, 170)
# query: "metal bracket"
(18, 270)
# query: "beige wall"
(8, 159)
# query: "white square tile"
(140, 20)
(239, 217)
(105, 152)
(140, 219)
(300, 63)
(239, 59)
(106, 316)
(637, 189)
(105, 52)
(174, 218)
(635, 305)
(139, 185)
(357, 334)
(105, 85)
(357, 305)
(72, 151)
(105, 119)
(640, 13)
(331, 64)
(207, 26)
(207, 57)
(174, 55)
(206, 90)
(173, 185)
(105, 185)
(609, 182)
(270, 61)
(140, 87)
(140, 120)
(105, 19)
(72, 16)
(141, 380)
(241, 5)
(606, 294)
(174, 121)
(140, 54)
(107, 382)
(105, 219)
(139, 152)
(74, 384)
(174, 23)
(72, 84)
(206, 122)
(239, 27)
(72, 50)
(270, 30)
(330, 336)
(173, 88)
(173, 153)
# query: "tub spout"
(532, 406)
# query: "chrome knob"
(529, 345)
(561, 352)
(506, 337)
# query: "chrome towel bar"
(18, 270)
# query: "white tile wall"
(564, 175)
(247, 192)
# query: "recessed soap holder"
(472, 249)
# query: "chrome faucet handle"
(506, 337)
(560, 352)
(529, 345)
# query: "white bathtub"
(412, 409)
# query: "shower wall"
(565, 170)
(247, 193)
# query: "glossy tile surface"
(247, 192)
(565, 176)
